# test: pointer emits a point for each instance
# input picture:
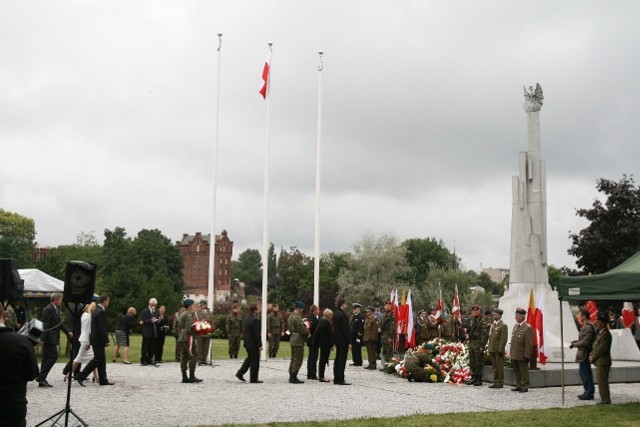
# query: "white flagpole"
(212, 236)
(316, 263)
(265, 218)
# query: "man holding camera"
(584, 343)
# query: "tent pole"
(562, 351)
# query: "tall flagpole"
(316, 261)
(212, 237)
(265, 218)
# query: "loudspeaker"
(10, 281)
(79, 282)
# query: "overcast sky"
(107, 117)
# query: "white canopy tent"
(38, 284)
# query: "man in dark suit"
(341, 339)
(149, 324)
(356, 327)
(50, 339)
(18, 365)
(99, 340)
(251, 331)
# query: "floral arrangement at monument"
(202, 327)
(452, 357)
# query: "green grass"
(591, 415)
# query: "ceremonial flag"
(456, 306)
(540, 325)
(440, 304)
(411, 339)
(401, 321)
(531, 317)
(265, 76)
(627, 314)
(593, 310)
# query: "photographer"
(18, 365)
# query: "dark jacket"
(356, 326)
(323, 334)
(51, 322)
(585, 341)
(313, 324)
(251, 331)
(99, 327)
(18, 365)
(149, 327)
(340, 329)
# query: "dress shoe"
(240, 377)
(495, 386)
(342, 383)
(44, 383)
(585, 397)
(324, 380)
(604, 402)
(371, 368)
(79, 381)
(127, 362)
(256, 382)
(516, 389)
(355, 364)
(107, 383)
(523, 390)
(312, 377)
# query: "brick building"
(195, 250)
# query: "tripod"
(55, 418)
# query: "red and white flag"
(265, 76)
(593, 310)
(411, 339)
(456, 306)
(628, 315)
(440, 304)
(540, 327)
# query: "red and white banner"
(411, 338)
(265, 76)
(455, 310)
(628, 316)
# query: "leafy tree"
(489, 285)
(86, 248)
(376, 266)
(447, 279)
(613, 234)
(17, 237)
(271, 262)
(422, 254)
(295, 271)
(248, 267)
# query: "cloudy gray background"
(107, 115)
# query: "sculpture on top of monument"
(533, 99)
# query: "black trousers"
(356, 353)
(252, 363)
(324, 360)
(339, 364)
(312, 362)
(99, 361)
(49, 358)
(148, 348)
(159, 347)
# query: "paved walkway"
(149, 396)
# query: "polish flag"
(540, 327)
(440, 304)
(628, 315)
(411, 339)
(593, 310)
(265, 76)
(456, 306)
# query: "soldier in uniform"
(370, 337)
(356, 327)
(204, 314)
(477, 336)
(447, 326)
(414, 365)
(176, 332)
(189, 345)
(11, 320)
(433, 323)
(378, 315)
(275, 329)
(233, 328)
(422, 334)
(520, 351)
(601, 357)
(299, 334)
(387, 331)
(498, 334)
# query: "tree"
(271, 262)
(17, 237)
(248, 267)
(295, 271)
(422, 254)
(376, 266)
(86, 248)
(613, 234)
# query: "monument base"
(518, 297)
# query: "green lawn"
(582, 416)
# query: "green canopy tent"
(621, 283)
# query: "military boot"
(185, 379)
(193, 378)
(472, 380)
(478, 380)
(293, 379)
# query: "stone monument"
(529, 242)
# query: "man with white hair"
(50, 338)
(149, 321)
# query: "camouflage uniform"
(414, 365)
(233, 328)
(176, 333)
(275, 328)
(478, 336)
(370, 338)
(387, 332)
(204, 341)
(189, 347)
(11, 321)
(299, 334)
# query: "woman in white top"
(85, 354)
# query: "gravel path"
(149, 396)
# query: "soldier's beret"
(298, 304)
(602, 316)
(370, 308)
(188, 302)
(376, 304)
(422, 311)
(428, 346)
(521, 311)
(475, 307)
(387, 302)
(498, 311)
(355, 304)
(203, 301)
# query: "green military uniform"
(11, 320)
(478, 336)
(176, 333)
(370, 337)
(520, 353)
(498, 334)
(275, 329)
(299, 334)
(189, 346)
(601, 357)
(233, 328)
(387, 332)
(414, 365)
(204, 341)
